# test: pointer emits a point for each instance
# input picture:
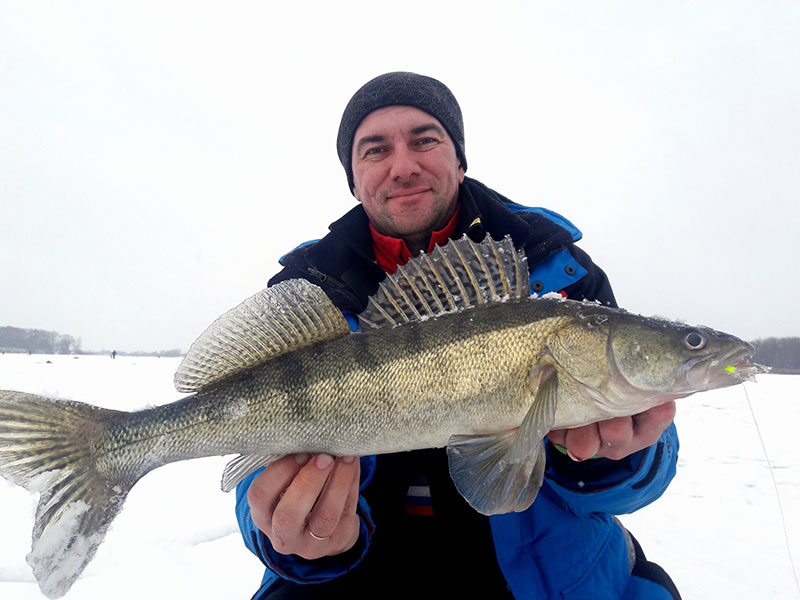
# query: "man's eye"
(371, 151)
(427, 140)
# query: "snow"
(62, 539)
(176, 535)
(718, 530)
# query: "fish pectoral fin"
(241, 466)
(502, 472)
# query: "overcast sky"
(156, 158)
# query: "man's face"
(406, 171)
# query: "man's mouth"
(404, 194)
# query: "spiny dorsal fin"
(456, 276)
(290, 315)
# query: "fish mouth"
(716, 371)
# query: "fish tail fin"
(55, 447)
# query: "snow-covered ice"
(176, 536)
(717, 530)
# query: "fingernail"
(349, 459)
(573, 457)
(301, 459)
(324, 461)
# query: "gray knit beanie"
(404, 89)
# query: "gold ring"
(316, 537)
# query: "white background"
(156, 158)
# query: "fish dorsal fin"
(459, 275)
(290, 315)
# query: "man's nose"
(404, 164)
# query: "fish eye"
(694, 341)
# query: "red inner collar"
(391, 252)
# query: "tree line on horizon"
(781, 354)
(17, 340)
(37, 341)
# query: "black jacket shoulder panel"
(348, 276)
(539, 236)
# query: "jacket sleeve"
(295, 568)
(614, 486)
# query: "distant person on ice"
(394, 525)
(113, 354)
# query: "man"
(394, 525)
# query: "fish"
(451, 351)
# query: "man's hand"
(615, 438)
(300, 494)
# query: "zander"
(451, 351)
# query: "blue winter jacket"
(567, 544)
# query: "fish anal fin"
(502, 472)
(241, 466)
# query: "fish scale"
(451, 351)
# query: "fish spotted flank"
(452, 352)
